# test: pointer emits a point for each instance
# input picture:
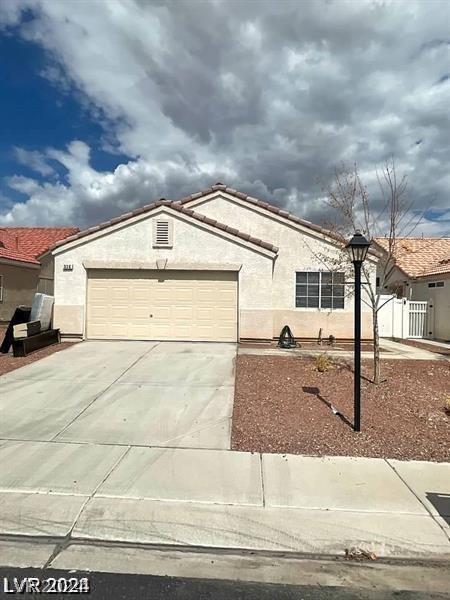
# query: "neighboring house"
(422, 273)
(218, 265)
(21, 273)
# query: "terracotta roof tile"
(270, 207)
(420, 256)
(177, 206)
(25, 244)
(9, 254)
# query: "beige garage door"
(162, 305)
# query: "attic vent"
(162, 234)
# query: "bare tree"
(352, 209)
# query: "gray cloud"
(268, 97)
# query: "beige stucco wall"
(396, 283)
(266, 285)
(299, 250)
(192, 244)
(438, 299)
(19, 287)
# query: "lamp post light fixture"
(357, 249)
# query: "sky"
(109, 105)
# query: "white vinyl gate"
(402, 318)
(417, 319)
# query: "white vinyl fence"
(402, 318)
(417, 319)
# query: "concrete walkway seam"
(444, 529)
(102, 392)
(66, 540)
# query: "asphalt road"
(112, 586)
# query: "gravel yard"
(9, 363)
(282, 404)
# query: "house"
(21, 273)
(422, 273)
(218, 265)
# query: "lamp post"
(357, 248)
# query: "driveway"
(168, 394)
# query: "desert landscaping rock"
(283, 404)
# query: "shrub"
(323, 363)
(447, 405)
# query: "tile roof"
(420, 256)
(25, 244)
(178, 208)
(256, 202)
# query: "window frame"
(1, 287)
(318, 308)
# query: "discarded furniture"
(21, 315)
(22, 347)
(24, 330)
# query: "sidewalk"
(218, 499)
(391, 351)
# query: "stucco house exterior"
(21, 273)
(218, 265)
(422, 273)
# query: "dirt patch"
(9, 363)
(424, 346)
(282, 404)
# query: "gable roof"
(25, 244)
(420, 256)
(269, 207)
(172, 206)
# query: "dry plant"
(323, 363)
(352, 209)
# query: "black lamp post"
(357, 248)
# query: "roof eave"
(19, 263)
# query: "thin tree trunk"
(376, 350)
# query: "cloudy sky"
(107, 105)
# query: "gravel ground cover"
(9, 363)
(283, 404)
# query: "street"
(107, 586)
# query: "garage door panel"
(139, 294)
(225, 314)
(195, 305)
(160, 313)
(138, 312)
(183, 313)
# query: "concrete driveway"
(168, 394)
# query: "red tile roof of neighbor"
(420, 256)
(25, 244)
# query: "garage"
(162, 305)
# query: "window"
(319, 290)
(1, 288)
(162, 233)
(440, 284)
(377, 283)
(436, 284)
